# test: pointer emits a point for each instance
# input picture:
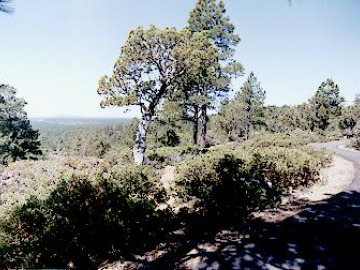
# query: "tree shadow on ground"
(325, 235)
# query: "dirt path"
(168, 175)
(350, 155)
(333, 180)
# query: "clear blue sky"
(54, 52)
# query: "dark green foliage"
(347, 121)
(325, 105)
(286, 160)
(265, 140)
(165, 129)
(151, 64)
(86, 220)
(288, 168)
(287, 118)
(85, 223)
(100, 141)
(170, 155)
(222, 191)
(231, 120)
(17, 138)
(227, 184)
(252, 96)
(209, 17)
(246, 112)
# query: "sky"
(54, 52)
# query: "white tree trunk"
(140, 140)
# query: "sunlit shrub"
(24, 179)
(278, 139)
(171, 155)
(222, 191)
(287, 168)
(226, 184)
(84, 223)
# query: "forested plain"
(77, 193)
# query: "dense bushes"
(171, 155)
(95, 139)
(84, 223)
(221, 191)
(23, 179)
(287, 168)
(280, 140)
(83, 211)
(224, 185)
(286, 160)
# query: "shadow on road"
(323, 236)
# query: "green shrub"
(24, 179)
(286, 168)
(285, 160)
(171, 155)
(278, 139)
(84, 223)
(123, 157)
(222, 191)
(226, 184)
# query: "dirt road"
(350, 155)
(325, 235)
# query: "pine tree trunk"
(140, 139)
(196, 125)
(203, 128)
(247, 129)
(248, 125)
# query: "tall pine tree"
(251, 97)
(245, 111)
(209, 17)
(325, 105)
(151, 64)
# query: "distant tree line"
(324, 113)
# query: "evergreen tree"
(209, 17)
(231, 119)
(356, 107)
(251, 98)
(325, 105)
(150, 64)
(17, 138)
(245, 111)
(348, 121)
(166, 126)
